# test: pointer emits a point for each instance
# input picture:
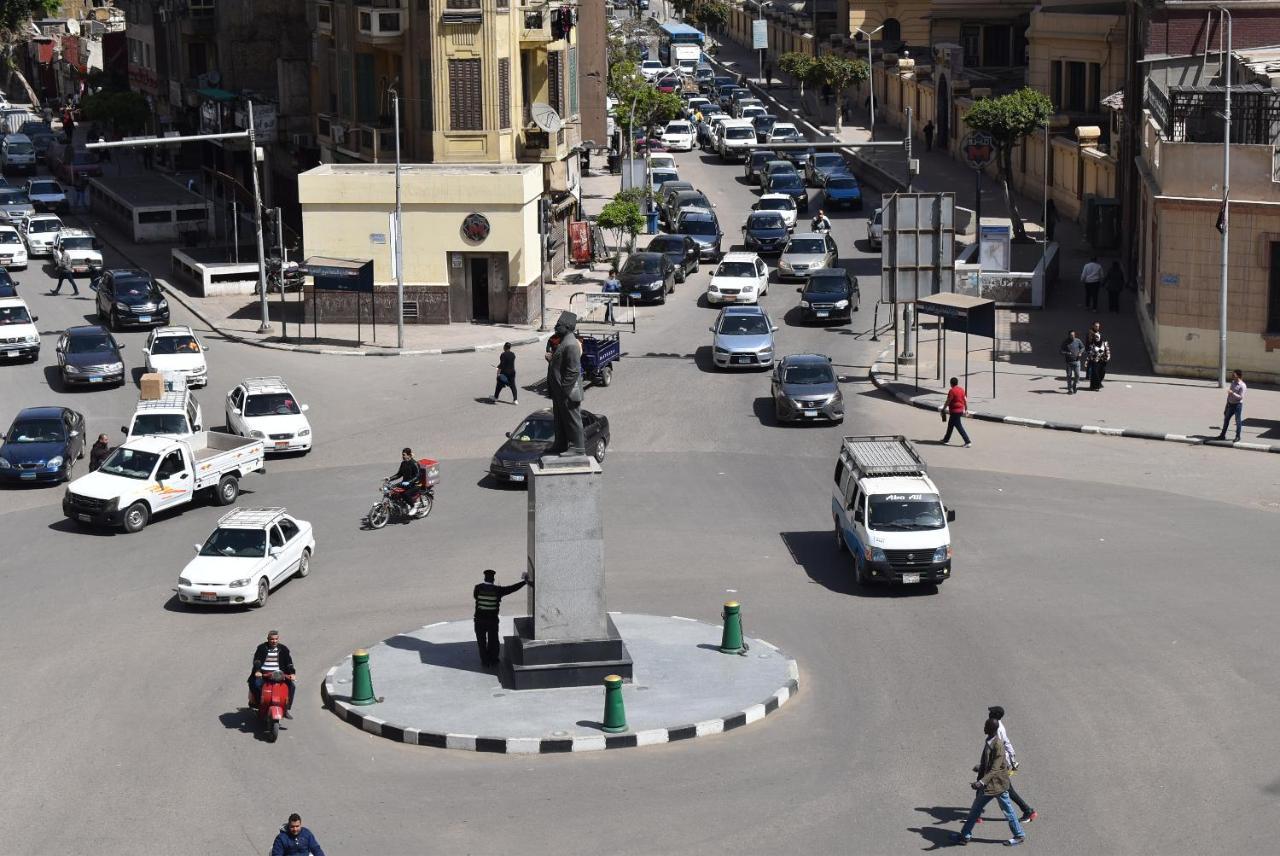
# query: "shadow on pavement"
(826, 565)
(449, 655)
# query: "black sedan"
(90, 355)
(647, 276)
(765, 232)
(805, 388)
(682, 250)
(829, 294)
(755, 162)
(42, 445)
(789, 183)
(130, 298)
(534, 436)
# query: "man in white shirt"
(1091, 276)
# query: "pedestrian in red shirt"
(953, 412)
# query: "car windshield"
(785, 131)
(666, 244)
(155, 424)
(643, 264)
(661, 177)
(740, 134)
(763, 122)
(535, 431)
(786, 180)
(782, 203)
(94, 343)
(807, 246)
(46, 225)
(36, 431)
(899, 511)
(236, 543)
(132, 287)
(166, 345)
(679, 128)
(7, 237)
(45, 187)
(737, 269)
(827, 161)
(14, 315)
(744, 325)
(13, 196)
(808, 374)
(130, 463)
(759, 159)
(21, 149)
(842, 184)
(271, 404)
(766, 221)
(697, 226)
(85, 243)
(826, 284)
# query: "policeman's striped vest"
(486, 602)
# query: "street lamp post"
(871, 80)
(263, 326)
(399, 232)
(1226, 205)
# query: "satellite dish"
(546, 117)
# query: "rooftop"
(425, 169)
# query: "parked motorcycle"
(271, 703)
(394, 503)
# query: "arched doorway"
(891, 35)
(942, 112)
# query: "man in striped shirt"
(271, 656)
(488, 597)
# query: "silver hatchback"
(742, 337)
(805, 252)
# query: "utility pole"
(399, 232)
(1225, 228)
(871, 78)
(264, 325)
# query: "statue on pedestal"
(564, 384)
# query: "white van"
(888, 513)
(17, 154)
(735, 138)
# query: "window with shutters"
(466, 98)
(504, 93)
(573, 81)
(555, 80)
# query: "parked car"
(742, 337)
(534, 436)
(682, 250)
(782, 203)
(819, 165)
(253, 551)
(805, 252)
(46, 194)
(176, 350)
(42, 445)
(129, 297)
(266, 409)
(15, 205)
(755, 162)
(13, 253)
(704, 228)
(790, 183)
(668, 189)
(661, 160)
(683, 199)
(765, 232)
(659, 177)
(89, 355)
(841, 191)
(647, 276)
(875, 229)
(805, 388)
(829, 294)
(740, 278)
(18, 334)
(678, 136)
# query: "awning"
(215, 94)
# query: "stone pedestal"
(567, 639)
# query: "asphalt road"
(1115, 596)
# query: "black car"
(829, 294)
(682, 250)
(704, 228)
(90, 355)
(755, 162)
(534, 436)
(805, 387)
(764, 126)
(8, 288)
(789, 183)
(42, 445)
(647, 276)
(765, 232)
(129, 297)
(797, 157)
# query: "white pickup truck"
(148, 475)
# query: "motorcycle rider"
(408, 477)
(821, 223)
(272, 656)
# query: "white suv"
(266, 409)
(18, 334)
(734, 138)
(13, 253)
(252, 551)
(177, 350)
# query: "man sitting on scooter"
(270, 657)
(408, 477)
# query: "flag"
(1222, 219)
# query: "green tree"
(15, 27)
(623, 217)
(839, 73)
(651, 107)
(124, 112)
(1008, 119)
(800, 66)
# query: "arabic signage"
(979, 149)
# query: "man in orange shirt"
(953, 412)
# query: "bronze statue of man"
(564, 384)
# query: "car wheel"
(227, 491)
(601, 450)
(304, 564)
(136, 517)
(71, 468)
(606, 375)
(264, 592)
(680, 274)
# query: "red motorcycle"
(272, 702)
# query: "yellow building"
(903, 20)
(470, 237)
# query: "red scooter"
(271, 704)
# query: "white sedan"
(651, 68)
(13, 253)
(176, 349)
(265, 408)
(783, 203)
(740, 278)
(678, 136)
(253, 551)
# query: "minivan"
(17, 154)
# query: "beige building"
(904, 21)
(457, 266)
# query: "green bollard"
(615, 712)
(731, 639)
(361, 683)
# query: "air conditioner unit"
(337, 134)
(304, 141)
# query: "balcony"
(375, 142)
(324, 16)
(382, 22)
(461, 11)
(536, 28)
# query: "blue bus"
(677, 34)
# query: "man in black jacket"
(98, 452)
(488, 597)
(408, 476)
(272, 656)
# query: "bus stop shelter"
(961, 312)
(345, 276)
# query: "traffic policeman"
(488, 597)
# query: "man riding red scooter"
(271, 683)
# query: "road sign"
(917, 255)
(759, 34)
(979, 149)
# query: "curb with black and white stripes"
(1027, 422)
(547, 745)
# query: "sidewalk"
(1030, 379)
